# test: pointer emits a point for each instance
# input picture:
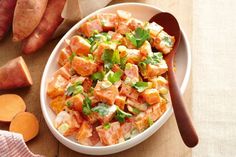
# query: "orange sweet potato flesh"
(15, 74)
(10, 105)
(6, 15)
(27, 16)
(47, 26)
(26, 124)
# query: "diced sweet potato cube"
(107, 95)
(120, 101)
(109, 116)
(134, 24)
(164, 42)
(83, 67)
(155, 70)
(123, 15)
(84, 134)
(108, 21)
(76, 102)
(131, 71)
(126, 128)
(57, 104)
(79, 45)
(64, 71)
(116, 36)
(112, 135)
(141, 121)
(158, 82)
(89, 27)
(128, 91)
(123, 28)
(151, 96)
(56, 86)
(155, 29)
(87, 84)
(146, 50)
(139, 105)
(64, 55)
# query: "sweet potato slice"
(26, 124)
(15, 74)
(10, 105)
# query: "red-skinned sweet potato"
(6, 15)
(47, 26)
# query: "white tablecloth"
(214, 77)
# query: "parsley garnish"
(121, 115)
(72, 56)
(102, 109)
(110, 57)
(141, 86)
(74, 89)
(86, 108)
(106, 126)
(138, 37)
(114, 77)
(98, 76)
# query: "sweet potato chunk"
(56, 86)
(151, 96)
(107, 95)
(79, 45)
(111, 135)
(83, 67)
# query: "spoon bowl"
(186, 129)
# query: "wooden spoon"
(186, 129)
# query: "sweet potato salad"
(111, 83)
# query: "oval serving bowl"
(183, 63)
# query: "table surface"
(194, 18)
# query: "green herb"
(68, 104)
(121, 115)
(167, 40)
(74, 89)
(102, 109)
(98, 38)
(154, 59)
(86, 108)
(150, 121)
(98, 76)
(141, 86)
(72, 56)
(114, 77)
(110, 57)
(115, 57)
(142, 66)
(123, 61)
(138, 37)
(106, 126)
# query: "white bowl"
(183, 63)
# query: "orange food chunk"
(151, 96)
(89, 27)
(57, 86)
(84, 134)
(120, 101)
(108, 21)
(83, 67)
(79, 45)
(112, 135)
(57, 104)
(107, 95)
(76, 102)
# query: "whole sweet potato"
(47, 26)
(6, 15)
(27, 16)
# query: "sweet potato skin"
(27, 16)
(47, 26)
(6, 15)
(15, 74)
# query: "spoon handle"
(184, 123)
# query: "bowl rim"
(133, 141)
